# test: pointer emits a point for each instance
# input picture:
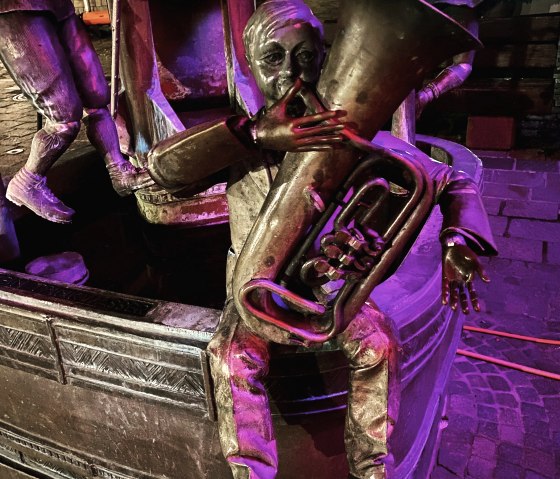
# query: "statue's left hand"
(459, 268)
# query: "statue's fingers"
(318, 117)
(463, 299)
(482, 273)
(444, 290)
(320, 140)
(318, 130)
(454, 295)
(474, 296)
(314, 148)
(292, 91)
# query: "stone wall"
(538, 130)
(94, 5)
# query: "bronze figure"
(49, 55)
(283, 42)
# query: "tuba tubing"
(382, 50)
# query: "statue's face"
(290, 52)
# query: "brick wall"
(94, 4)
(537, 130)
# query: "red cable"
(519, 367)
(511, 335)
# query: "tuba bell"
(318, 247)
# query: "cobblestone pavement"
(505, 424)
(502, 423)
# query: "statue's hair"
(272, 15)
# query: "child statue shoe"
(126, 178)
(31, 190)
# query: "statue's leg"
(368, 344)
(95, 95)
(31, 51)
(239, 361)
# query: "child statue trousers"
(239, 361)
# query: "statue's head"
(283, 41)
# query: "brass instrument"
(333, 201)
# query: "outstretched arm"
(465, 235)
(193, 155)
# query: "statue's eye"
(274, 58)
(305, 56)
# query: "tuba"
(319, 248)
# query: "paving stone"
(488, 429)
(552, 403)
(510, 416)
(546, 387)
(454, 460)
(533, 412)
(465, 367)
(529, 154)
(479, 467)
(556, 440)
(492, 205)
(505, 470)
(534, 475)
(458, 387)
(553, 253)
(484, 448)
(488, 413)
(543, 210)
(500, 190)
(536, 427)
(528, 394)
(540, 462)
(498, 383)
(551, 192)
(476, 380)
(461, 422)
(523, 178)
(509, 452)
(535, 229)
(540, 441)
(520, 248)
(485, 154)
(530, 165)
(442, 473)
(462, 403)
(487, 368)
(498, 224)
(511, 434)
(483, 397)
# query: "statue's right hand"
(276, 130)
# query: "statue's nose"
(288, 68)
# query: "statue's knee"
(97, 113)
(68, 131)
(372, 350)
(97, 97)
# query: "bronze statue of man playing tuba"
(284, 48)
